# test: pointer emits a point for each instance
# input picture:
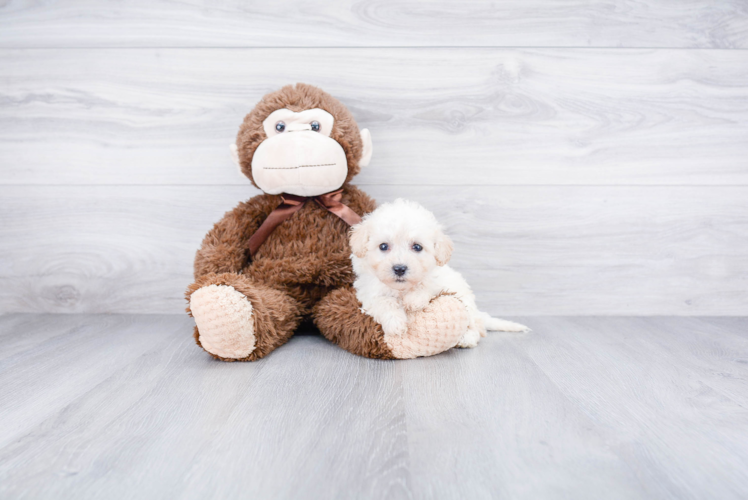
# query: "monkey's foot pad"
(436, 328)
(224, 320)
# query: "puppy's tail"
(502, 325)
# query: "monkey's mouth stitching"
(301, 166)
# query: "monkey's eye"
(280, 126)
(315, 126)
(417, 247)
(384, 247)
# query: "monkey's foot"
(436, 328)
(224, 321)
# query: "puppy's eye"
(384, 247)
(315, 126)
(417, 247)
(280, 126)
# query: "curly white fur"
(399, 256)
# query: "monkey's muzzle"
(304, 163)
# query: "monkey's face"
(301, 140)
(299, 156)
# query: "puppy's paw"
(470, 339)
(416, 301)
(395, 327)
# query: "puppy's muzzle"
(399, 270)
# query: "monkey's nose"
(399, 269)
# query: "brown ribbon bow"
(292, 204)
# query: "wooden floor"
(96, 406)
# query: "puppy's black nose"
(399, 269)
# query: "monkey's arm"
(225, 247)
(337, 270)
(436, 328)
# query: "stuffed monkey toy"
(283, 257)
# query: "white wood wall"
(588, 157)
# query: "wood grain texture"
(533, 23)
(488, 423)
(715, 347)
(175, 423)
(525, 249)
(620, 374)
(580, 408)
(588, 156)
(65, 358)
(438, 116)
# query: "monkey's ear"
(443, 249)
(368, 149)
(359, 239)
(235, 157)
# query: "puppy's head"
(399, 243)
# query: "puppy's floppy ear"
(359, 238)
(443, 248)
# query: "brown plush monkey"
(283, 256)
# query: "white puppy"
(399, 256)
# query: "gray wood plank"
(21, 333)
(173, 422)
(488, 423)
(580, 408)
(621, 23)
(438, 116)
(339, 422)
(733, 325)
(525, 250)
(717, 351)
(665, 416)
(39, 381)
